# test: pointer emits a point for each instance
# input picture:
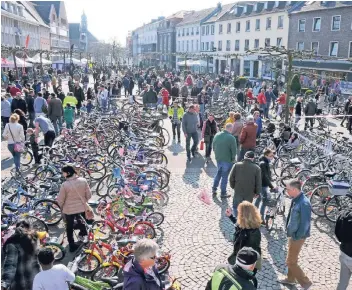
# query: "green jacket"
(180, 112)
(225, 147)
(69, 115)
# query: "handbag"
(19, 146)
(88, 211)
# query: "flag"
(27, 41)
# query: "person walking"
(258, 120)
(79, 95)
(55, 113)
(298, 230)
(70, 99)
(267, 184)
(20, 263)
(310, 110)
(176, 113)
(30, 107)
(262, 102)
(240, 276)
(298, 111)
(5, 111)
(248, 137)
(14, 133)
(190, 124)
(69, 116)
(247, 230)
(225, 149)
(209, 130)
(73, 198)
(23, 120)
(126, 85)
(175, 92)
(40, 105)
(131, 86)
(237, 128)
(184, 94)
(44, 124)
(19, 103)
(269, 97)
(151, 98)
(343, 232)
(347, 104)
(202, 100)
(246, 179)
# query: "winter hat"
(247, 257)
(249, 155)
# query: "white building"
(247, 26)
(19, 20)
(188, 35)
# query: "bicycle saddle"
(295, 161)
(46, 186)
(330, 174)
(112, 281)
(140, 164)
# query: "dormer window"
(20, 11)
(256, 7)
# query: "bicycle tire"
(159, 183)
(156, 218)
(103, 228)
(83, 260)
(89, 165)
(161, 159)
(104, 184)
(166, 262)
(55, 222)
(37, 223)
(141, 228)
(58, 248)
(337, 204)
(319, 199)
(102, 271)
(24, 156)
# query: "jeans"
(263, 108)
(208, 147)
(307, 121)
(243, 152)
(57, 123)
(236, 202)
(266, 111)
(35, 150)
(279, 110)
(126, 91)
(31, 119)
(202, 110)
(195, 138)
(294, 271)
(345, 271)
(69, 125)
(70, 226)
(297, 118)
(264, 196)
(16, 156)
(49, 138)
(178, 127)
(223, 174)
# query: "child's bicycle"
(274, 206)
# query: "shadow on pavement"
(225, 225)
(326, 227)
(6, 163)
(193, 170)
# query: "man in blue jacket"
(298, 229)
(270, 97)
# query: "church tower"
(83, 32)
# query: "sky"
(112, 19)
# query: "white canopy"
(68, 61)
(36, 59)
(194, 63)
(19, 62)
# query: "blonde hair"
(14, 118)
(248, 216)
(231, 114)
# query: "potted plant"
(295, 85)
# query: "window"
(350, 50)
(315, 47)
(220, 45)
(228, 27)
(246, 44)
(316, 24)
(197, 30)
(207, 46)
(220, 28)
(268, 23)
(207, 30)
(183, 45)
(197, 47)
(192, 45)
(228, 45)
(203, 30)
(14, 9)
(335, 23)
(179, 32)
(267, 41)
(192, 32)
(212, 29)
(280, 22)
(334, 47)
(183, 32)
(256, 43)
(187, 31)
(300, 46)
(257, 24)
(238, 26)
(237, 45)
(301, 25)
(247, 68)
(212, 46)
(4, 5)
(187, 47)
(248, 25)
(278, 42)
(202, 46)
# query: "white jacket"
(17, 132)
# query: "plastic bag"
(204, 196)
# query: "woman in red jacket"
(281, 102)
(262, 100)
(165, 97)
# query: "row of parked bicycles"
(120, 153)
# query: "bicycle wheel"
(96, 169)
(48, 211)
(144, 230)
(42, 174)
(335, 205)
(310, 184)
(105, 271)
(37, 223)
(88, 263)
(319, 198)
(104, 184)
(156, 218)
(269, 222)
(162, 264)
(58, 250)
(287, 173)
(152, 178)
(101, 230)
(26, 157)
(158, 158)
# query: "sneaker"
(189, 159)
(214, 193)
(225, 195)
(285, 281)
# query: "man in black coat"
(19, 103)
(167, 86)
(347, 104)
(175, 92)
(30, 107)
(79, 95)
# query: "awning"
(330, 65)
(36, 59)
(191, 62)
(6, 63)
(19, 62)
(68, 61)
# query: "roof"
(43, 8)
(75, 33)
(251, 5)
(179, 14)
(224, 9)
(196, 16)
(321, 5)
(33, 12)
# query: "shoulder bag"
(19, 146)
(88, 210)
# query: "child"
(89, 106)
(34, 145)
(52, 277)
(69, 114)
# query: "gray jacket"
(55, 108)
(184, 91)
(246, 179)
(190, 123)
(5, 108)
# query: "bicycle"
(274, 206)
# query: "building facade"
(19, 20)
(54, 15)
(324, 27)
(247, 26)
(166, 45)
